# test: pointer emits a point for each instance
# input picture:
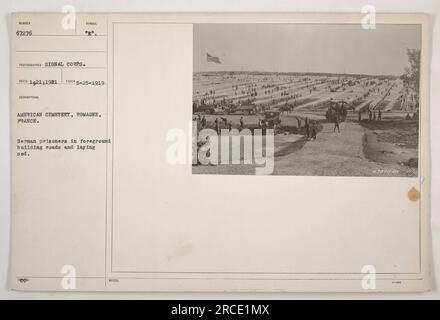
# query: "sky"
(305, 48)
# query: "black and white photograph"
(337, 99)
(283, 151)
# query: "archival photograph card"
(239, 152)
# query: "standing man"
(336, 123)
(379, 115)
(264, 126)
(307, 127)
(314, 130)
(217, 125)
(241, 123)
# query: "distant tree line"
(411, 75)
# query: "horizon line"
(302, 72)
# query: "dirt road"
(336, 154)
(331, 154)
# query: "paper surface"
(106, 193)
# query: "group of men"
(219, 123)
(310, 128)
(371, 115)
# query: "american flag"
(214, 59)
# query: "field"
(378, 128)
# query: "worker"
(336, 123)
